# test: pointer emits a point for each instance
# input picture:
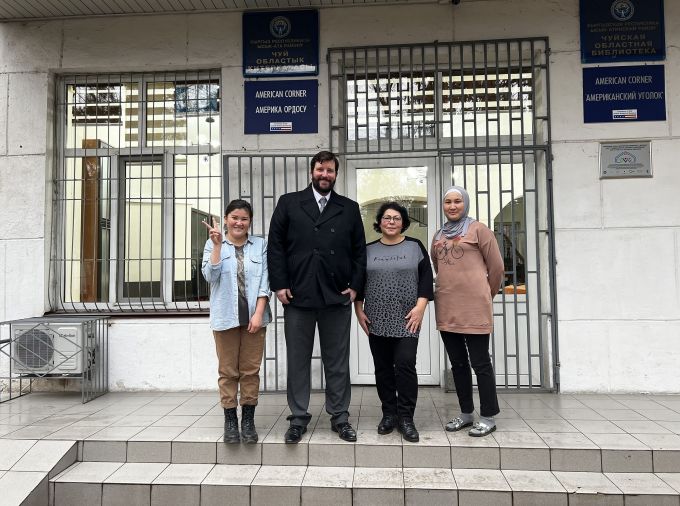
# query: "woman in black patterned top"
(390, 310)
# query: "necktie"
(322, 204)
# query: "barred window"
(139, 170)
(390, 106)
(405, 104)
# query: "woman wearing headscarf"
(469, 270)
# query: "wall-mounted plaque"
(625, 159)
(281, 107)
(623, 94)
(280, 43)
(622, 30)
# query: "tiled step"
(158, 484)
(26, 466)
(527, 451)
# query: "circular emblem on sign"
(279, 27)
(622, 10)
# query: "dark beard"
(315, 184)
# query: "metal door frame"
(351, 165)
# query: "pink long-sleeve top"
(469, 274)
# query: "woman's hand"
(214, 232)
(364, 322)
(414, 318)
(255, 323)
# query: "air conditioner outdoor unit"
(53, 347)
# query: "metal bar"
(356, 102)
(436, 98)
(449, 93)
(401, 103)
(461, 62)
(389, 100)
(377, 98)
(475, 138)
(514, 268)
(367, 101)
(423, 97)
(412, 131)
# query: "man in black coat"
(316, 256)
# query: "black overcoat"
(316, 255)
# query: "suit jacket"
(316, 255)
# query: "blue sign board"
(631, 93)
(622, 30)
(273, 107)
(281, 43)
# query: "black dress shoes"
(387, 424)
(408, 430)
(294, 434)
(345, 431)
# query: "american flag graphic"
(624, 114)
(281, 126)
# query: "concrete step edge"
(205, 484)
(516, 457)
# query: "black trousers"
(395, 373)
(334, 325)
(476, 346)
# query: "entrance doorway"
(408, 181)
(481, 110)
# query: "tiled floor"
(164, 448)
(53, 414)
(536, 431)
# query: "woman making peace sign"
(236, 268)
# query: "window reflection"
(182, 112)
(196, 199)
(108, 112)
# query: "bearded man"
(317, 262)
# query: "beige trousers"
(239, 355)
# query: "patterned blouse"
(396, 276)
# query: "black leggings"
(458, 347)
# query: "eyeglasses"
(394, 219)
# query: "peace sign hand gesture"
(215, 232)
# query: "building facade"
(120, 134)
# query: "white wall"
(618, 241)
(618, 271)
(162, 354)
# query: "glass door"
(411, 182)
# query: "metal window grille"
(438, 96)
(506, 194)
(261, 180)
(139, 168)
(481, 109)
